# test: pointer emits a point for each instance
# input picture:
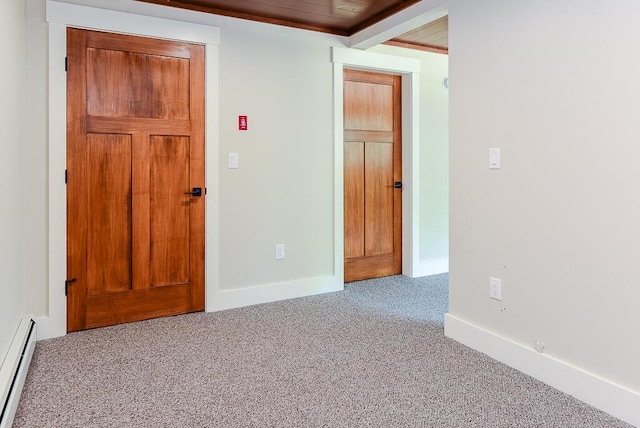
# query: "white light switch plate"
(233, 160)
(494, 158)
(495, 288)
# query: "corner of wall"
(431, 267)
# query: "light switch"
(233, 160)
(495, 288)
(494, 158)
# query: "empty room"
(319, 213)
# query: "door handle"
(397, 185)
(195, 192)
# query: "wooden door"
(135, 148)
(372, 167)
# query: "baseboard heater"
(13, 371)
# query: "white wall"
(555, 85)
(35, 146)
(434, 158)
(12, 166)
(281, 79)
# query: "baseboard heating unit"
(13, 371)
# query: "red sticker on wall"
(242, 123)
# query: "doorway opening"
(408, 69)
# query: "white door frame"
(59, 16)
(409, 69)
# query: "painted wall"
(283, 191)
(12, 166)
(434, 158)
(35, 146)
(555, 85)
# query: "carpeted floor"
(373, 355)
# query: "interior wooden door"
(372, 175)
(135, 152)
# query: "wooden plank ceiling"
(433, 37)
(341, 17)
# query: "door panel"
(353, 199)
(108, 213)
(372, 164)
(169, 168)
(368, 106)
(135, 148)
(129, 84)
(118, 308)
(378, 182)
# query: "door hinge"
(66, 176)
(67, 283)
(66, 63)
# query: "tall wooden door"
(372, 175)
(135, 153)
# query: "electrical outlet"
(495, 288)
(279, 251)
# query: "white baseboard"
(431, 267)
(51, 326)
(228, 299)
(614, 399)
(14, 369)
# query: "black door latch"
(196, 192)
(397, 185)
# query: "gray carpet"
(373, 355)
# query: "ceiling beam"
(402, 22)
